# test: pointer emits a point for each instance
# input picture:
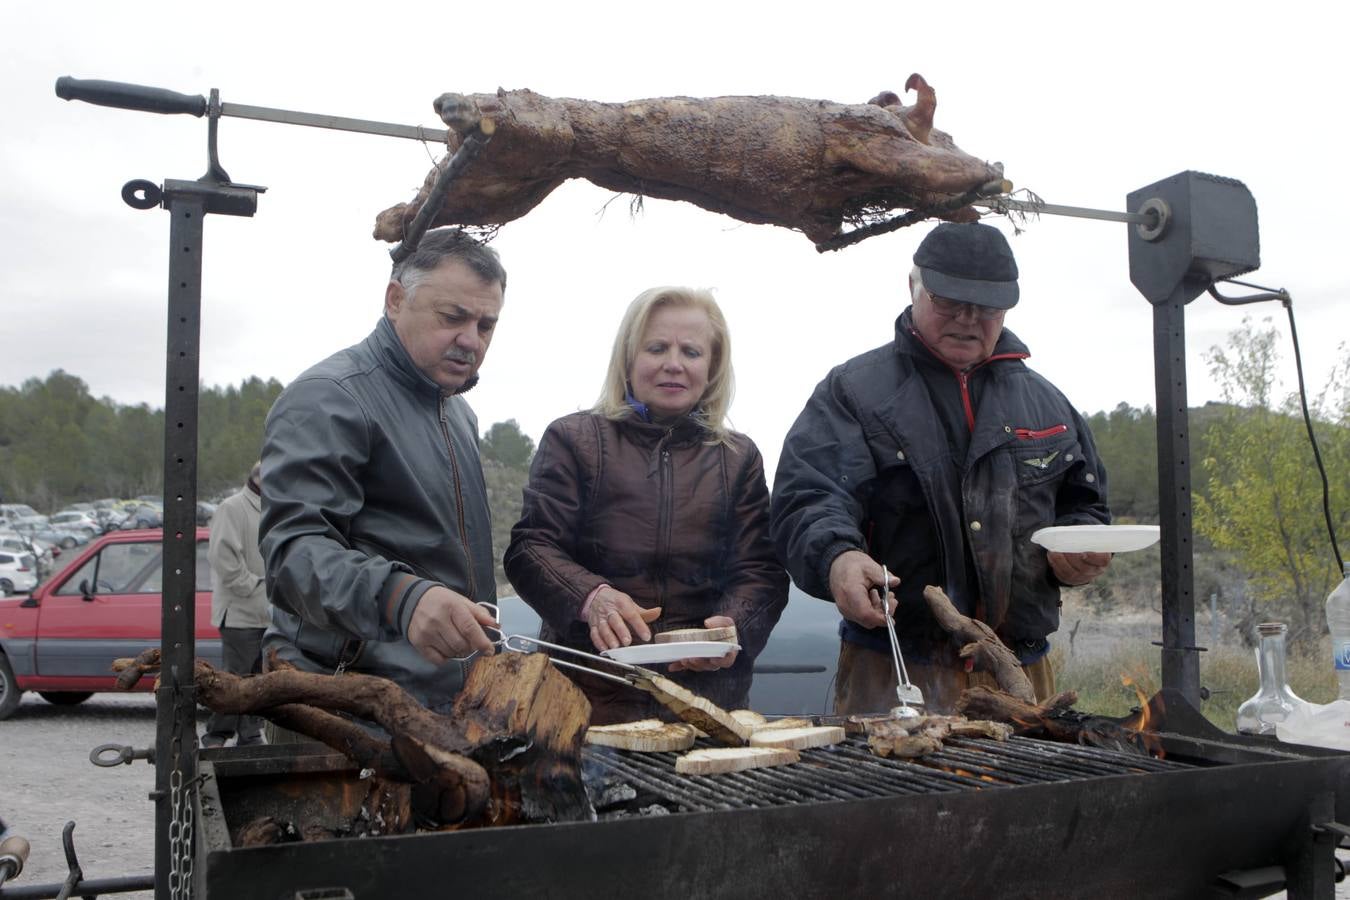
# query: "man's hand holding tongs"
(447, 626)
(855, 584)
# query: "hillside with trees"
(59, 444)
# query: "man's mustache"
(464, 357)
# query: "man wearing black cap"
(937, 455)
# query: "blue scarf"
(638, 406)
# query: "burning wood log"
(809, 165)
(1026, 717)
(509, 751)
(1055, 719)
(981, 645)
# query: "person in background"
(239, 606)
(937, 455)
(376, 530)
(647, 513)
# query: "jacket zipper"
(666, 514)
(964, 379)
(459, 499)
(1031, 434)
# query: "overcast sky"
(1081, 108)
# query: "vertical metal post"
(1180, 659)
(176, 698)
(188, 203)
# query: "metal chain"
(180, 819)
(175, 829)
(186, 846)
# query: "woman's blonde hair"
(712, 407)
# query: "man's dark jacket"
(870, 465)
(372, 493)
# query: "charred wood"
(509, 750)
(982, 645)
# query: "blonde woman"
(649, 514)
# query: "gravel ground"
(46, 780)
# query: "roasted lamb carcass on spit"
(809, 165)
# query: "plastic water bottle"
(1338, 623)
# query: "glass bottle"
(1274, 702)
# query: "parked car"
(58, 536)
(794, 674)
(75, 520)
(13, 512)
(61, 640)
(44, 553)
(205, 512)
(142, 515)
(18, 573)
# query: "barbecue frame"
(1077, 837)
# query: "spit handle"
(122, 95)
(13, 854)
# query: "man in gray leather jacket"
(375, 523)
(938, 454)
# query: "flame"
(1142, 726)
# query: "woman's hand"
(709, 664)
(614, 619)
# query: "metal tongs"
(712, 720)
(519, 643)
(906, 692)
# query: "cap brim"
(994, 294)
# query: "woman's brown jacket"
(665, 517)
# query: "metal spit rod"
(1007, 204)
(158, 100)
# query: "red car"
(61, 640)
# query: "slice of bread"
(797, 738)
(645, 736)
(726, 634)
(717, 760)
(749, 718)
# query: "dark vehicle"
(793, 674)
(142, 516)
(61, 640)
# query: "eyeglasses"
(950, 309)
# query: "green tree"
(505, 443)
(59, 444)
(506, 453)
(1259, 496)
(1127, 440)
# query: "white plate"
(1096, 538)
(646, 654)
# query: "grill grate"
(849, 771)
